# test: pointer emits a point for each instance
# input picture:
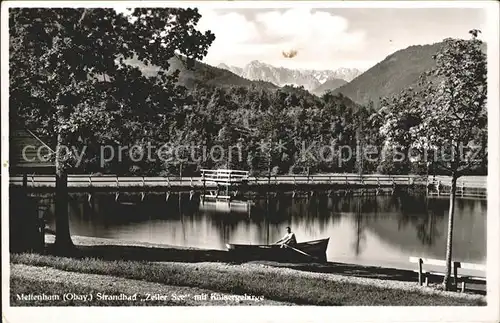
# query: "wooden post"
(143, 193)
(204, 186)
(456, 265)
(41, 229)
(25, 181)
(269, 176)
(180, 204)
(117, 194)
(420, 262)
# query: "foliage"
(70, 74)
(69, 80)
(446, 120)
(70, 77)
(125, 94)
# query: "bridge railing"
(117, 182)
(350, 179)
(105, 181)
(347, 179)
(465, 181)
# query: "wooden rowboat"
(314, 250)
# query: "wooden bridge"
(474, 186)
(212, 179)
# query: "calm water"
(381, 230)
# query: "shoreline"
(135, 266)
(96, 241)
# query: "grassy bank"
(82, 289)
(274, 284)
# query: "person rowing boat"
(288, 240)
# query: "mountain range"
(399, 70)
(201, 75)
(312, 80)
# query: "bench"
(456, 265)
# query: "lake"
(373, 230)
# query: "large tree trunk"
(63, 243)
(449, 241)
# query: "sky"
(329, 38)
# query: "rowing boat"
(304, 251)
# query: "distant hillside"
(202, 74)
(329, 85)
(396, 72)
(234, 69)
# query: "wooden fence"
(375, 180)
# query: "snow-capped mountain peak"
(310, 79)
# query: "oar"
(301, 252)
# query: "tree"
(448, 117)
(68, 70)
(401, 114)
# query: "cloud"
(320, 38)
(307, 28)
(228, 27)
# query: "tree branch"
(82, 16)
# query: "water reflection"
(377, 230)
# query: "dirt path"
(177, 295)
